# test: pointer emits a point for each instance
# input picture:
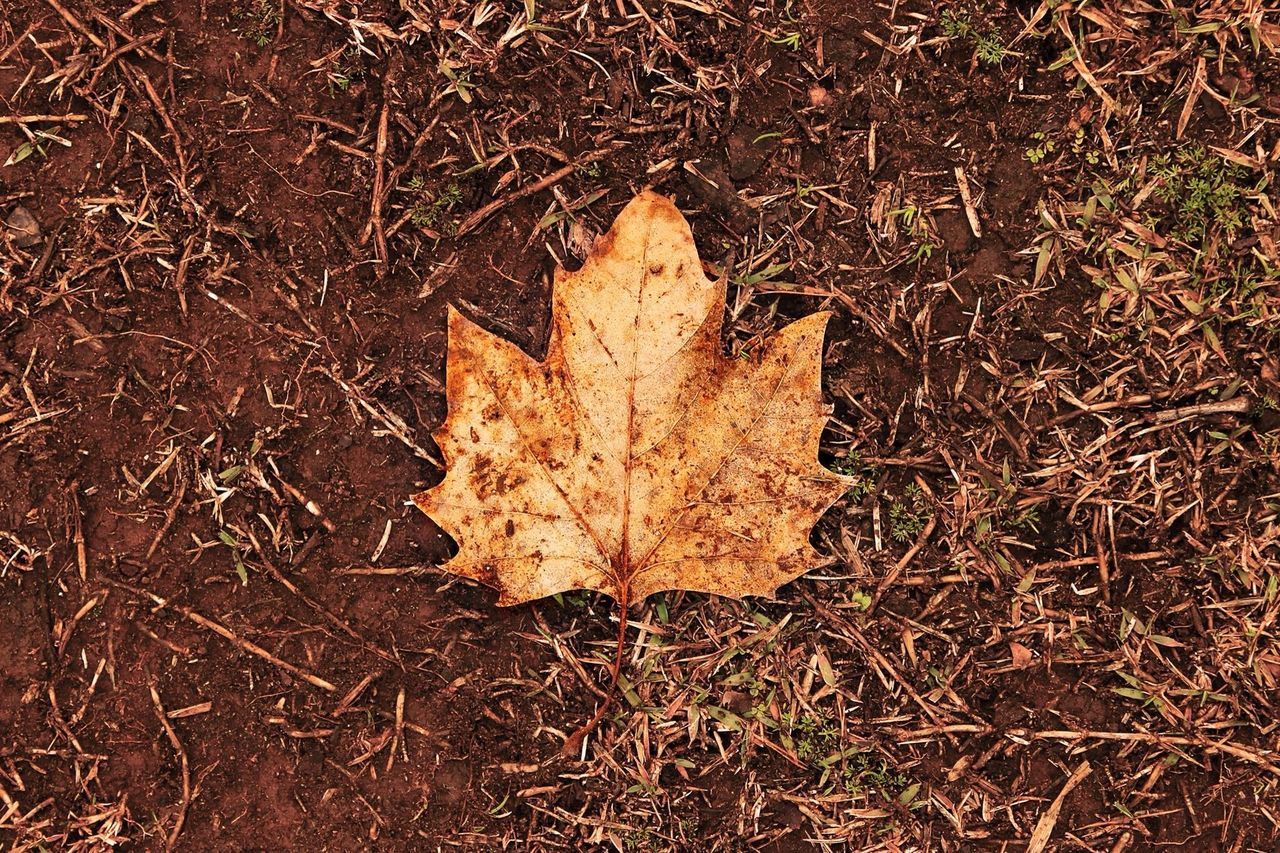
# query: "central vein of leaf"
(624, 567)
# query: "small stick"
(158, 104)
(354, 693)
(168, 644)
(69, 117)
(226, 633)
(81, 558)
(305, 502)
(317, 606)
(398, 737)
(159, 469)
(186, 769)
(554, 178)
(180, 275)
(76, 23)
(119, 52)
(1234, 406)
(1044, 827)
(17, 43)
(69, 628)
(1104, 568)
(1204, 743)
(374, 225)
(137, 7)
(966, 196)
(383, 570)
(328, 122)
(394, 424)
(313, 541)
(169, 516)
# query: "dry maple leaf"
(636, 457)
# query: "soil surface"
(233, 233)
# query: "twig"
(186, 769)
(317, 606)
(1158, 739)
(82, 560)
(554, 178)
(398, 737)
(305, 502)
(69, 117)
(1234, 406)
(180, 275)
(374, 225)
(1044, 827)
(76, 23)
(1100, 551)
(137, 7)
(966, 196)
(226, 633)
(393, 422)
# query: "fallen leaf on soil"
(636, 457)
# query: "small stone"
(22, 227)
(819, 97)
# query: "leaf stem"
(573, 744)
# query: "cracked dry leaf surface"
(635, 458)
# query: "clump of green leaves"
(1005, 514)
(258, 20)
(864, 475)
(232, 542)
(1205, 209)
(429, 211)
(907, 517)
(344, 69)
(791, 40)
(459, 77)
(1042, 146)
(913, 221)
(845, 768)
(1078, 147)
(815, 738)
(988, 46)
(36, 144)
(955, 24)
(637, 840)
(1201, 190)
(863, 771)
(1198, 203)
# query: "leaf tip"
(422, 500)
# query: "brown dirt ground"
(206, 338)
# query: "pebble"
(22, 227)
